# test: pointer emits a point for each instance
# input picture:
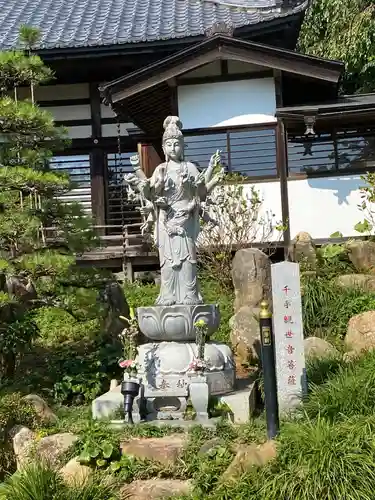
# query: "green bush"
(334, 260)
(13, 411)
(83, 371)
(57, 326)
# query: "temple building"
(230, 71)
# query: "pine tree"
(32, 265)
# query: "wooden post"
(149, 158)
(281, 158)
(97, 163)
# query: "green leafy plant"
(15, 338)
(367, 193)
(98, 446)
(85, 374)
(100, 455)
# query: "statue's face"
(173, 149)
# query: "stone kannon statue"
(173, 201)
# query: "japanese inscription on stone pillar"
(288, 333)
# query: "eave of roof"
(360, 103)
(89, 24)
(221, 47)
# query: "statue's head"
(173, 140)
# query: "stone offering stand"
(172, 202)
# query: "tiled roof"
(90, 23)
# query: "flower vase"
(130, 390)
(199, 394)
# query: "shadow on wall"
(342, 186)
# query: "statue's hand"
(215, 159)
(200, 179)
(134, 160)
(185, 176)
(175, 230)
(220, 176)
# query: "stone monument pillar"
(172, 206)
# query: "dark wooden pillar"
(149, 158)
(97, 159)
(282, 168)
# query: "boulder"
(50, 449)
(364, 281)
(23, 441)
(75, 474)
(315, 347)
(165, 450)
(360, 335)
(210, 445)
(248, 456)
(362, 255)
(154, 489)
(251, 274)
(41, 408)
(302, 250)
(245, 335)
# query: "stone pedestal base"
(199, 395)
(166, 377)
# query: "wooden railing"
(126, 247)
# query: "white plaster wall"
(72, 112)
(79, 131)
(110, 129)
(56, 92)
(241, 102)
(322, 206)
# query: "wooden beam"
(167, 75)
(280, 63)
(282, 166)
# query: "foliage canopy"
(343, 30)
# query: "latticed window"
(120, 210)
(339, 151)
(247, 151)
(78, 168)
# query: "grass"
(328, 307)
(39, 482)
(348, 391)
